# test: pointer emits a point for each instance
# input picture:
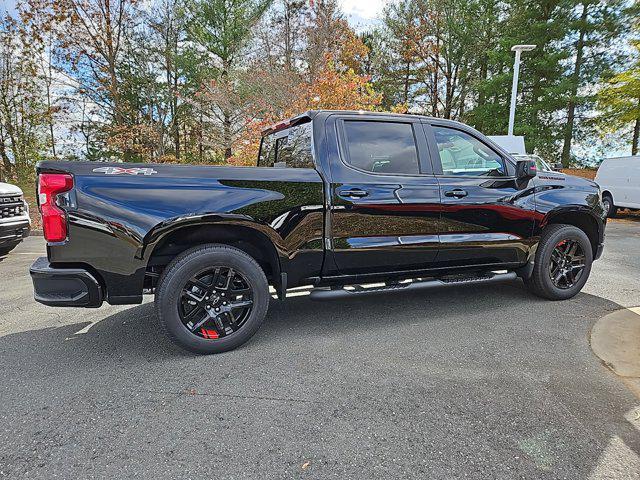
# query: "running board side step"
(323, 293)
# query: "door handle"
(353, 193)
(456, 193)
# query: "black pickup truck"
(350, 203)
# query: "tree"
(325, 73)
(543, 86)
(196, 80)
(221, 29)
(89, 38)
(23, 108)
(395, 55)
(167, 29)
(619, 102)
(597, 23)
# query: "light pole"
(514, 88)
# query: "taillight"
(54, 221)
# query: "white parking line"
(86, 329)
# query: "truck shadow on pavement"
(490, 372)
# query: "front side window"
(464, 155)
(541, 165)
(381, 147)
(287, 148)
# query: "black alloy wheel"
(567, 264)
(215, 302)
(212, 298)
(562, 262)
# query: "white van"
(619, 180)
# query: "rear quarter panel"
(115, 220)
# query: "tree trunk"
(571, 107)
(484, 67)
(434, 88)
(405, 93)
(227, 135)
(636, 135)
(226, 115)
(171, 47)
(48, 81)
(5, 167)
(200, 138)
(288, 44)
(111, 65)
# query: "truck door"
(385, 200)
(487, 216)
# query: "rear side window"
(287, 148)
(381, 147)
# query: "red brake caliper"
(208, 333)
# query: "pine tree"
(596, 23)
(619, 102)
(222, 29)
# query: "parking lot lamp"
(514, 87)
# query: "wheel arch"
(245, 236)
(579, 218)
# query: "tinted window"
(381, 147)
(462, 154)
(541, 165)
(287, 148)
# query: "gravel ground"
(481, 382)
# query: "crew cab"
(349, 203)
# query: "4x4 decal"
(125, 171)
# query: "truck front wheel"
(212, 298)
(562, 264)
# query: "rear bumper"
(64, 287)
(14, 231)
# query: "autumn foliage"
(196, 81)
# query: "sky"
(7, 6)
(361, 13)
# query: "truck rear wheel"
(212, 298)
(562, 264)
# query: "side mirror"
(557, 167)
(526, 169)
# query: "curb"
(35, 233)
(615, 339)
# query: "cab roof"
(310, 114)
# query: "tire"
(173, 291)
(7, 248)
(557, 236)
(610, 209)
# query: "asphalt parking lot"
(481, 382)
